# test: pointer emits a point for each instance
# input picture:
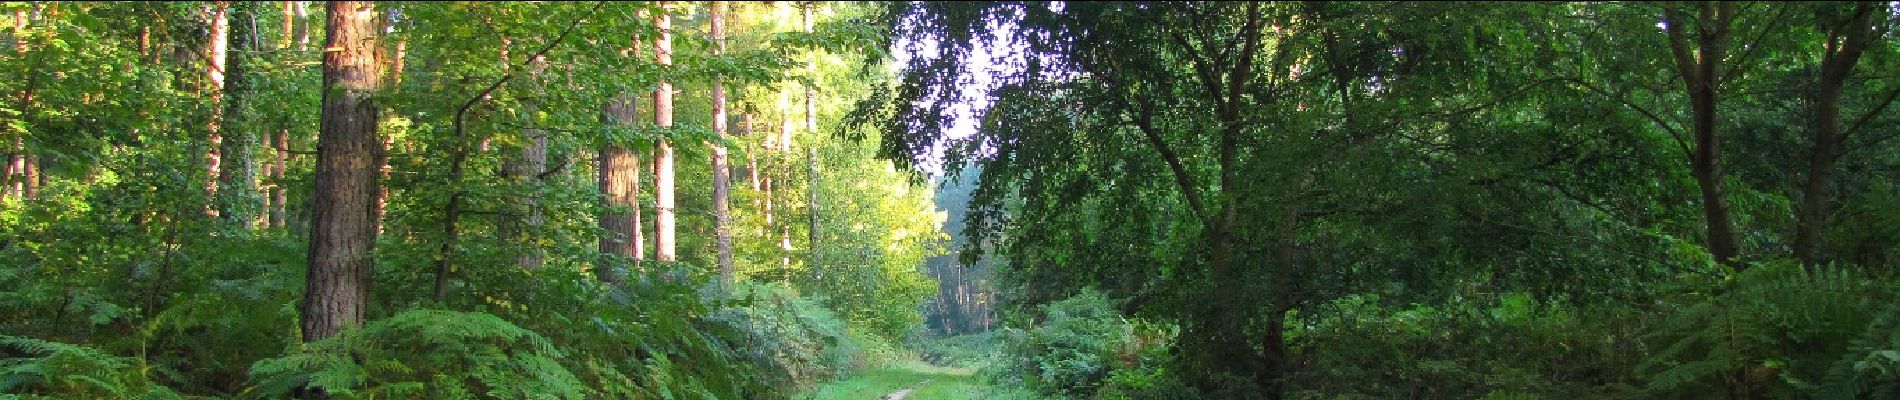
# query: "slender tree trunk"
(722, 180)
(276, 199)
(382, 158)
(663, 218)
(343, 234)
(751, 159)
(240, 201)
(786, 127)
(1702, 76)
(215, 46)
(1843, 50)
(811, 160)
(18, 161)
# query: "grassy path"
(924, 383)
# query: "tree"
(217, 42)
(1847, 38)
(663, 219)
(722, 180)
(343, 229)
(238, 198)
(619, 181)
(1700, 64)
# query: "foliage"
(45, 369)
(1789, 331)
(116, 283)
(1082, 344)
(425, 353)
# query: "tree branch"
(1673, 132)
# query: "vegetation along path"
(905, 382)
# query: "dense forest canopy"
(994, 199)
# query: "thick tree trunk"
(619, 180)
(663, 218)
(722, 180)
(343, 234)
(215, 45)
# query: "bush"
(1083, 346)
(796, 337)
(1356, 347)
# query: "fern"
(425, 353)
(1782, 326)
(62, 370)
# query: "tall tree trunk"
(239, 200)
(1701, 70)
(786, 127)
(17, 160)
(722, 180)
(1845, 44)
(663, 218)
(279, 142)
(215, 45)
(343, 234)
(382, 158)
(619, 180)
(526, 169)
(811, 159)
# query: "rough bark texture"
(343, 235)
(722, 179)
(1701, 70)
(663, 217)
(619, 179)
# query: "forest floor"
(904, 382)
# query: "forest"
(923, 200)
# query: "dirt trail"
(905, 392)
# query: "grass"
(929, 382)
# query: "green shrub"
(1081, 345)
(1515, 345)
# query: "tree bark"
(1702, 78)
(619, 180)
(1843, 50)
(343, 235)
(216, 44)
(722, 180)
(663, 224)
(18, 162)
